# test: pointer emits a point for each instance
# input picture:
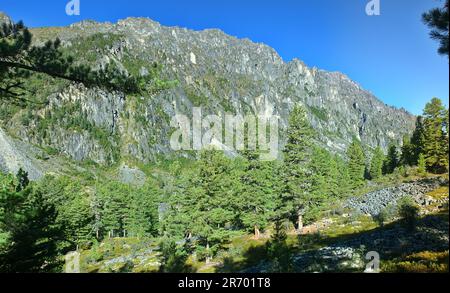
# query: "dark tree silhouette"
(32, 234)
(437, 20)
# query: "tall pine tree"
(392, 159)
(297, 177)
(435, 147)
(356, 164)
(376, 164)
(418, 140)
(407, 155)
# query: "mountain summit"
(4, 18)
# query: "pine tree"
(19, 59)
(356, 164)
(176, 222)
(392, 159)
(174, 258)
(258, 189)
(418, 140)
(407, 153)
(209, 205)
(297, 153)
(22, 179)
(343, 177)
(73, 207)
(437, 20)
(29, 231)
(422, 165)
(436, 139)
(143, 212)
(376, 164)
(278, 250)
(324, 181)
(115, 198)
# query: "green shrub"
(408, 211)
(381, 218)
(386, 215)
(174, 258)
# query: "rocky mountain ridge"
(217, 72)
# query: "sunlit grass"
(421, 262)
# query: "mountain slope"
(215, 71)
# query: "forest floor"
(335, 243)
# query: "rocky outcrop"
(14, 155)
(4, 18)
(131, 176)
(374, 202)
(214, 71)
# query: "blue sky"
(390, 55)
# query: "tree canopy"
(437, 20)
(19, 58)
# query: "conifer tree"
(392, 159)
(407, 153)
(356, 164)
(258, 190)
(114, 198)
(324, 181)
(278, 250)
(19, 59)
(297, 155)
(30, 235)
(422, 165)
(436, 140)
(343, 177)
(418, 140)
(143, 211)
(376, 164)
(437, 20)
(210, 203)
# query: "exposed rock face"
(4, 18)
(218, 72)
(15, 155)
(331, 259)
(12, 158)
(374, 202)
(131, 176)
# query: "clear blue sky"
(390, 55)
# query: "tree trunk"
(257, 233)
(300, 223)
(208, 257)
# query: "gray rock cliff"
(215, 71)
